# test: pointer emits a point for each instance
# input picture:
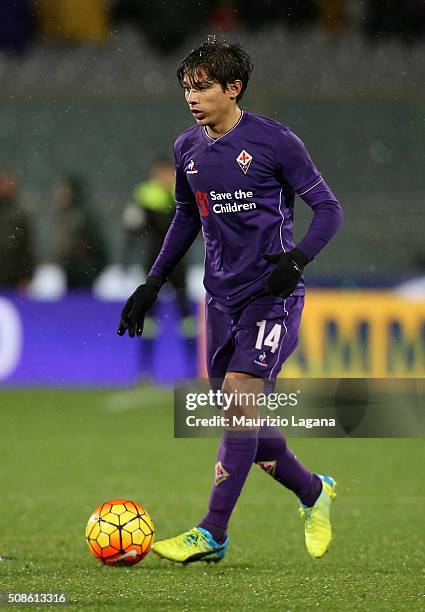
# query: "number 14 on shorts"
(272, 338)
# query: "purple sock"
(274, 457)
(235, 456)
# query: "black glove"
(287, 273)
(135, 308)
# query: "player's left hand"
(287, 273)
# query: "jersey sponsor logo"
(191, 168)
(220, 474)
(221, 206)
(244, 160)
(235, 207)
(202, 202)
(267, 466)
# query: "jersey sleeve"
(300, 173)
(183, 230)
(296, 165)
(184, 194)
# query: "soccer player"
(237, 175)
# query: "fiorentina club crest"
(220, 474)
(244, 160)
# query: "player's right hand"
(136, 307)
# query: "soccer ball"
(120, 532)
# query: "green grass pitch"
(64, 452)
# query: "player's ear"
(234, 89)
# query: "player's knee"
(239, 382)
(240, 392)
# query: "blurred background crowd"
(90, 107)
(166, 25)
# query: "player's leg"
(199, 543)
(278, 323)
(236, 453)
(275, 458)
(208, 541)
(266, 334)
(314, 491)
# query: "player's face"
(207, 101)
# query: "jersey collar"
(213, 140)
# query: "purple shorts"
(256, 340)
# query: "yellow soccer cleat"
(194, 545)
(317, 524)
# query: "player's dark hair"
(222, 62)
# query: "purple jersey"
(240, 189)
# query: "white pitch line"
(133, 399)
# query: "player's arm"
(181, 234)
(302, 176)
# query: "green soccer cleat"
(194, 545)
(318, 531)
